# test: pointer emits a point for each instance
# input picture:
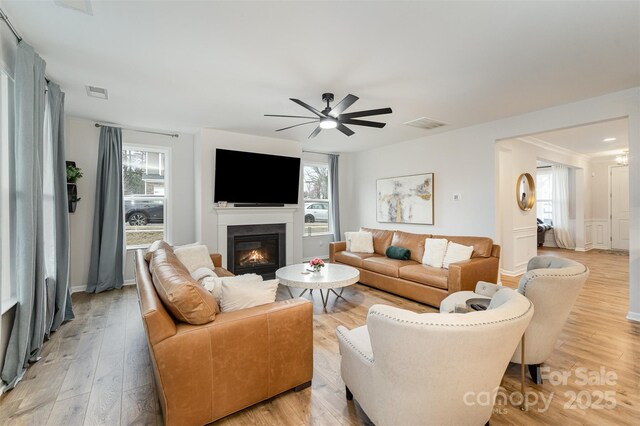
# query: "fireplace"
(258, 249)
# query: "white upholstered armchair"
(408, 368)
(552, 284)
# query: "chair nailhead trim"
(524, 285)
(451, 325)
(348, 342)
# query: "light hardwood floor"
(96, 369)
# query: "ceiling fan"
(334, 118)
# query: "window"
(316, 198)
(145, 183)
(544, 195)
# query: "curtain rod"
(323, 153)
(4, 17)
(173, 135)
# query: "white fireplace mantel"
(230, 216)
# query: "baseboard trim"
(515, 273)
(633, 316)
(307, 259)
(81, 288)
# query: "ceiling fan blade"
(344, 129)
(315, 132)
(364, 123)
(356, 114)
(296, 125)
(289, 116)
(343, 105)
(309, 107)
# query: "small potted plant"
(316, 264)
(73, 174)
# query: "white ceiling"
(589, 139)
(184, 65)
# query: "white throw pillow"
(194, 257)
(201, 273)
(242, 295)
(214, 284)
(434, 252)
(359, 242)
(456, 253)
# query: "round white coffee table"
(331, 277)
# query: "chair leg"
(349, 394)
(302, 386)
(536, 376)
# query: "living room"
(207, 99)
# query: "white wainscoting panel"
(525, 244)
(600, 233)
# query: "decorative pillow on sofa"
(183, 296)
(201, 273)
(399, 253)
(456, 253)
(359, 242)
(194, 257)
(155, 246)
(214, 283)
(434, 252)
(238, 295)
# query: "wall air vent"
(425, 123)
(97, 92)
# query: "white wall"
(464, 162)
(82, 147)
(206, 143)
(519, 236)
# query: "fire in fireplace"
(256, 249)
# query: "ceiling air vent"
(97, 92)
(425, 123)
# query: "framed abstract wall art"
(405, 199)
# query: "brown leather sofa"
(410, 278)
(205, 372)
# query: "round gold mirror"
(526, 192)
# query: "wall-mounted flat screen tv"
(248, 177)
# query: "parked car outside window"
(316, 212)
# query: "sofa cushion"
(482, 246)
(428, 275)
(456, 253)
(434, 252)
(385, 266)
(381, 239)
(359, 242)
(353, 259)
(236, 295)
(413, 242)
(155, 246)
(183, 296)
(194, 257)
(399, 253)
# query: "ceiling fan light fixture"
(328, 123)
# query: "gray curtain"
(105, 272)
(29, 326)
(62, 310)
(334, 214)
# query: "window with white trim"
(144, 184)
(317, 198)
(544, 195)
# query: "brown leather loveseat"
(205, 372)
(410, 278)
